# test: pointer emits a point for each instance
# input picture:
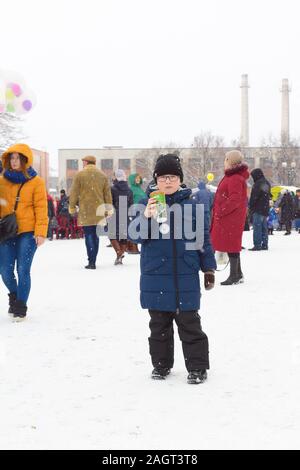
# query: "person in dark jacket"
(204, 196)
(297, 210)
(259, 209)
(229, 214)
(287, 211)
(170, 286)
(51, 215)
(119, 189)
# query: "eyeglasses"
(171, 178)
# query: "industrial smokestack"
(285, 112)
(244, 112)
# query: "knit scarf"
(18, 177)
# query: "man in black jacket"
(259, 208)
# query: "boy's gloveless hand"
(209, 280)
(150, 210)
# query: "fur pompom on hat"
(168, 164)
(234, 157)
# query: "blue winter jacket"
(169, 272)
(204, 196)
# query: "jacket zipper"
(175, 269)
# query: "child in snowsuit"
(272, 218)
(170, 285)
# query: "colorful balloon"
(16, 89)
(10, 108)
(27, 105)
(210, 177)
(9, 94)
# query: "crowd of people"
(170, 283)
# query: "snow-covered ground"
(75, 374)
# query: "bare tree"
(207, 151)
(10, 130)
(145, 160)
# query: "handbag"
(8, 224)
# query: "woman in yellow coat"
(32, 220)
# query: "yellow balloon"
(9, 94)
(210, 177)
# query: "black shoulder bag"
(8, 224)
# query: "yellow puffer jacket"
(32, 211)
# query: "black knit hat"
(168, 164)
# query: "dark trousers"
(194, 340)
(260, 231)
(18, 251)
(91, 242)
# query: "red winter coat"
(229, 211)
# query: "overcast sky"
(142, 72)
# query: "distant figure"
(120, 188)
(51, 216)
(272, 218)
(204, 196)
(287, 212)
(89, 191)
(297, 210)
(135, 183)
(259, 209)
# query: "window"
(124, 163)
(72, 164)
(107, 164)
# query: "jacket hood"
(239, 169)
(19, 148)
(257, 174)
(131, 179)
(201, 185)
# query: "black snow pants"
(194, 340)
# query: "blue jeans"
(260, 231)
(297, 224)
(91, 242)
(18, 251)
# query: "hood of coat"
(131, 180)
(239, 169)
(257, 174)
(201, 185)
(19, 148)
(179, 196)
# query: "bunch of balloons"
(15, 97)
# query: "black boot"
(160, 373)
(12, 299)
(235, 276)
(240, 273)
(19, 311)
(90, 266)
(197, 376)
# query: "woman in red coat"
(229, 214)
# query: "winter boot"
(19, 311)
(119, 249)
(12, 300)
(235, 275)
(132, 248)
(197, 376)
(90, 266)
(160, 373)
(240, 273)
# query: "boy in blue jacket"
(170, 264)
